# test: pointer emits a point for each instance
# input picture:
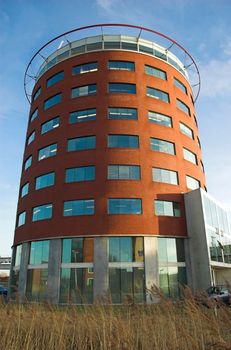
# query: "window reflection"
(36, 284)
(77, 250)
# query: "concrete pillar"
(53, 282)
(188, 263)
(101, 259)
(151, 268)
(23, 271)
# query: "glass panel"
(55, 78)
(167, 208)
(186, 130)
(171, 250)
(122, 113)
(165, 176)
(37, 94)
(81, 143)
(25, 189)
(180, 250)
(162, 146)
(34, 114)
(129, 46)
(158, 94)
(18, 254)
(124, 172)
(45, 181)
(42, 212)
(83, 91)
(112, 45)
(47, 152)
(163, 280)
(21, 219)
(180, 85)
(85, 173)
(31, 138)
(28, 163)
(121, 65)
(173, 281)
(122, 88)
(39, 252)
(124, 206)
(77, 250)
(182, 106)
(50, 125)
(79, 207)
(192, 183)
(123, 141)
(160, 119)
(158, 73)
(190, 156)
(162, 250)
(36, 289)
(82, 116)
(52, 101)
(85, 68)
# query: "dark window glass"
(36, 287)
(82, 116)
(156, 72)
(160, 119)
(122, 88)
(123, 141)
(42, 212)
(83, 173)
(158, 94)
(47, 152)
(165, 176)
(160, 55)
(124, 206)
(121, 65)
(83, 90)
(85, 68)
(180, 85)
(146, 49)
(129, 46)
(166, 208)
(24, 190)
(31, 138)
(39, 252)
(124, 172)
(28, 163)
(50, 125)
(45, 180)
(182, 106)
(81, 143)
(122, 113)
(52, 101)
(112, 44)
(34, 115)
(21, 219)
(55, 78)
(162, 146)
(79, 207)
(37, 94)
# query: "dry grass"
(167, 326)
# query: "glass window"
(122, 88)
(28, 163)
(166, 208)
(78, 250)
(31, 138)
(47, 152)
(52, 101)
(39, 252)
(81, 143)
(42, 212)
(124, 206)
(83, 173)
(183, 107)
(198, 141)
(123, 141)
(166, 176)
(129, 46)
(50, 125)
(18, 254)
(83, 90)
(45, 180)
(21, 219)
(123, 172)
(37, 94)
(36, 288)
(34, 115)
(190, 156)
(180, 85)
(122, 113)
(126, 249)
(170, 250)
(158, 73)
(160, 119)
(186, 130)
(170, 280)
(76, 285)
(82, 116)
(85, 68)
(158, 94)
(162, 146)
(192, 183)
(55, 78)
(79, 207)
(24, 190)
(121, 65)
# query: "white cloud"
(106, 4)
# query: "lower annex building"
(112, 193)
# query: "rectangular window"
(122, 88)
(123, 141)
(45, 180)
(24, 190)
(186, 130)
(55, 78)
(83, 91)
(42, 212)
(156, 72)
(34, 115)
(183, 107)
(180, 85)
(165, 176)
(121, 65)
(78, 250)
(54, 100)
(123, 172)
(39, 252)
(85, 68)
(166, 208)
(28, 163)
(81, 143)
(83, 173)
(190, 156)
(124, 206)
(47, 152)
(37, 94)
(126, 249)
(160, 119)
(36, 287)
(31, 138)
(79, 207)
(192, 183)
(82, 116)
(122, 113)
(162, 146)
(21, 219)
(158, 94)
(50, 125)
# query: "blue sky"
(201, 26)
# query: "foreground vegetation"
(169, 325)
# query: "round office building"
(112, 145)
